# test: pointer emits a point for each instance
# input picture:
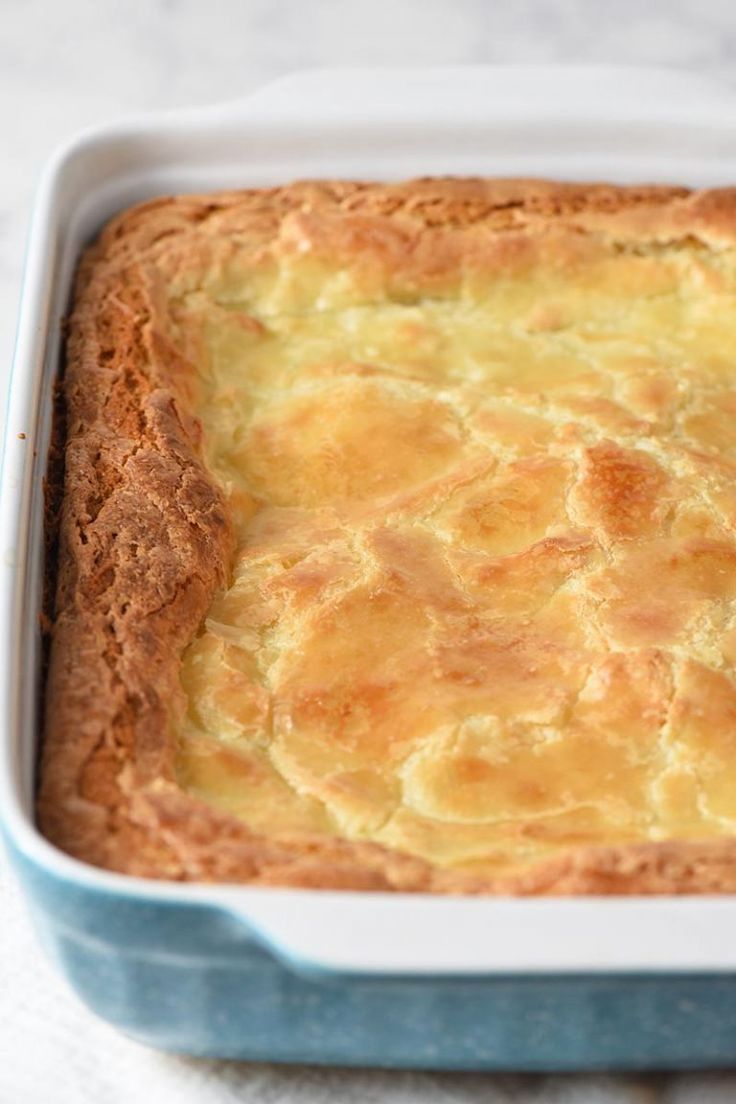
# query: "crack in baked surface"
(410, 512)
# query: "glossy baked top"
(455, 539)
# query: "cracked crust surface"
(397, 541)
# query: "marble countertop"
(65, 66)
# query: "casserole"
(487, 420)
(290, 974)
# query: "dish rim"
(335, 932)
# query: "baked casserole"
(396, 548)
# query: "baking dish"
(297, 975)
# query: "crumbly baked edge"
(145, 540)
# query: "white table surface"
(64, 65)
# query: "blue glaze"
(192, 979)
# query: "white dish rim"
(346, 933)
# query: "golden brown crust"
(146, 534)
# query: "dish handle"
(329, 933)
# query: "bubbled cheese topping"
(483, 606)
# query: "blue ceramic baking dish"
(317, 976)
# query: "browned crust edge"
(144, 541)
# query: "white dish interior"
(617, 125)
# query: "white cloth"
(67, 65)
